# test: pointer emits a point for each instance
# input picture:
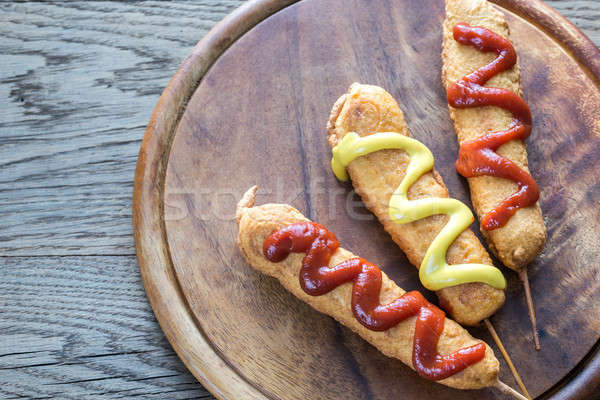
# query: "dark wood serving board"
(249, 106)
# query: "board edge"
(158, 276)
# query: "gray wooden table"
(78, 82)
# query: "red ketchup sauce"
(317, 278)
(478, 157)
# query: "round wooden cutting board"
(249, 106)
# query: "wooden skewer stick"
(525, 280)
(507, 358)
(504, 388)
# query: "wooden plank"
(82, 326)
(585, 14)
(82, 79)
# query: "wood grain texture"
(585, 14)
(79, 81)
(74, 327)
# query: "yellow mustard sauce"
(434, 272)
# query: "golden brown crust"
(368, 109)
(257, 223)
(523, 237)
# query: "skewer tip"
(524, 278)
(504, 388)
(511, 366)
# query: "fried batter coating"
(369, 109)
(257, 223)
(518, 242)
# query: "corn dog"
(366, 110)
(261, 226)
(522, 237)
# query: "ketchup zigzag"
(317, 278)
(478, 157)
